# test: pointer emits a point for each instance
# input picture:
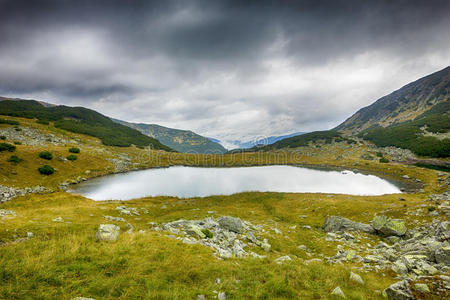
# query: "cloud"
(226, 69)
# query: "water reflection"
(199, 182)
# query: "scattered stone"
(201, 297)
(107, 232)
(442, 255)
(388, 226)
(314, 260)
(277, 231)
(221, 296)
(58, 219)
(302, 247)
(5, 213)
(30, 234)
(336, 223)
(356, 278)
(282, 259)
(116, 219)
(338, 292)
(127, 210)
(82, 298)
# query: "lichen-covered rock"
(336, 223)
(282, 259)
(231, 223)
(442, 255)
(388, 226)
(107, 232)
(399, 291)
(195, 230)
(421, 288)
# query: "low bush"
(384, 160)
(207, 233)
(43, 122)
(72, 157)
(46, 155)
(7, 147)
(2, 137)
(17, 143)
(46, 170)
(10, 122)
(74, 150)
(18, 128)
(14, 159)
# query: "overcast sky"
(224, 69)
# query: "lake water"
(199, 182)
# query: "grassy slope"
(64, 261)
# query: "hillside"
(402, 105)
(79, 120)
(180, 140)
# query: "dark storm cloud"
(223, 68)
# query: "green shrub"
(2, 137)
(17, 128)
(46, 155)
(7, 147)
(431, 208)
(17, 143)
(74, 150)
(44, 122)
(379, 154)
(72, 157)
(10, 122)
(384, 160)
(46, 170)
(207, 233)
(15, 159)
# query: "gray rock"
(127, 210)
(356, 278)
(107, 232)
(336, 223)
(399, 291)
(231, 223)
(282, 259)
(338, 292)
(201, 297)
(58, 219)
(388, 226)
(82, 298)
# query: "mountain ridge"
(177, 139)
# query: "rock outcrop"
(336, 223)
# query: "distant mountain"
(239, 144)
(402, 105)
(180, 140)
(79, 120)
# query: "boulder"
(231, 224)
(399, 291)
(388, 226)
(338, 292)
(336, 223)
(107, 232)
